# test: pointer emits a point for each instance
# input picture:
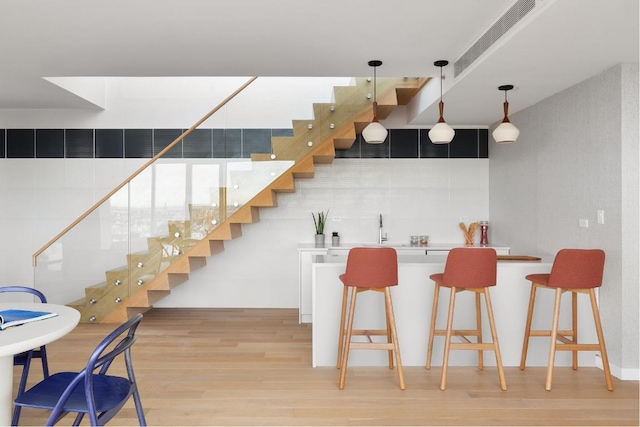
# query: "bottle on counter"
(484, 233)
(335, 239)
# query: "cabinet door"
(306, 258)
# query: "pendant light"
(506, 132)
(374, 133)
(441, 133)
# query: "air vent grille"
(502, 25)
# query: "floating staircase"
(152, 274)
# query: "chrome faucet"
(381, 238)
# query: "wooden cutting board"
(518, 258)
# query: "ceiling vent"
(502, 25)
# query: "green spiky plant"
(320, 221)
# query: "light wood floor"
(253, 367)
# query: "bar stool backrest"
(577, 269)
(470, 268)
(371, 268)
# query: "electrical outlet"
(584, 223)
(464, 218)
(600, 217)
(337, 218)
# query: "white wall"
(577, 154)
(40, 197)
(414, 196)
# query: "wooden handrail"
(34, 259)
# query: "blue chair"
(91, 391)
(24, 359)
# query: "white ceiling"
(558, 44)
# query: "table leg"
(6, 389)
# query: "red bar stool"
(466, 269)
(369, 269)
(576, 271)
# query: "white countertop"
(420, 259)
(396, 245)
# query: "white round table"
(26, 337)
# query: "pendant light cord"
(375, 96)
(440, 83)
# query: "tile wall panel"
(78, 143)
(255, 141)
(351, 153)
(464, 144)
(109, 143)
(404, 143)
(374, 151)
(281, 132)
(217, 140)
(222, 143)
(429, 150)
(21, 143)
(227, 143)
(198, 144)
(50, 143)
(138, 143)
(162, 138)
(483, 143)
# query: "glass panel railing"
(165, 210)
(143, 228)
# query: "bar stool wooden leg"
(494, 337)
(574, 328)
(554, 339)
(527, 328)
(603, 348)
(389, 334)
(432, 327)
(394, 336)
(447, 342)
(345, 355)
(479, 330)
(343, 312)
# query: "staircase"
(150, 275)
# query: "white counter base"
(412, 301)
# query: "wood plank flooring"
(253, 367)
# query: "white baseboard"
(625, 374)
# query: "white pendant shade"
(441, 133)
(505, 133)
(374, 133)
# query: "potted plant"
(319, 223)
